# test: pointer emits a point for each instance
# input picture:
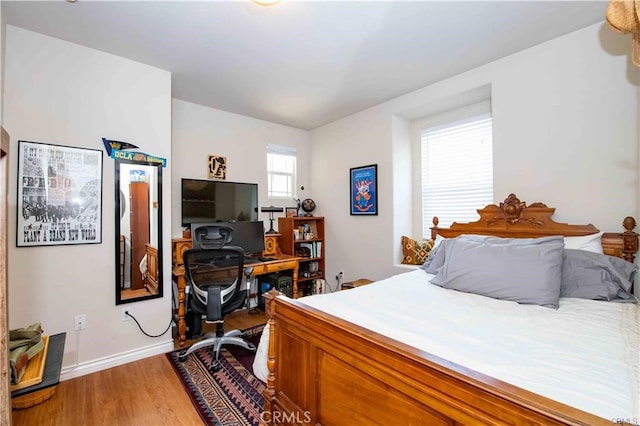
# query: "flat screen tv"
(211, 201)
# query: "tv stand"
(281, 262)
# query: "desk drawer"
(265, 268)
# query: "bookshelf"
(310, 249)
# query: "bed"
(323, 369)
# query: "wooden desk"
(283, 262)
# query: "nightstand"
(356, 283)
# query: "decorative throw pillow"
(415, 252)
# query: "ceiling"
(304, 63)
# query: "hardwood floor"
(240, 320)
(145, 392)
(130, 294)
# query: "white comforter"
(585, 354)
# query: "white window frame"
(291, 156)
(423, 221)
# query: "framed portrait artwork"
(363, 190)
(59, 195)
(291, 211)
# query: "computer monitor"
(248, 235)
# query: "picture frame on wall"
(217, 167)
(363, 190)
(291, 211)
(59, 195)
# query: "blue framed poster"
(363, 190)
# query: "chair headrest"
(208, 237)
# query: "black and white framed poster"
(59, 195)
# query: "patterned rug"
(231, 396)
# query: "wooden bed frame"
(325, 370)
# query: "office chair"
(214, 273)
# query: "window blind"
(457, 171)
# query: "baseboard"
(100, 364)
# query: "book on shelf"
(318, 286)
(308, 246)
(315, 248)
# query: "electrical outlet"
(126, 317)
(81, 322)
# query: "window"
(457, 171)
(281, 171)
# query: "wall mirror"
(138, 230)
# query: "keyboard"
(250, 260)
(225, 263)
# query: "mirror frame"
(118, 209)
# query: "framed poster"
(363, 190)
(59, 195)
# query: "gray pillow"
(588, 275)
(491, 239)
(435, 261)
(521, 270)
(436, 258)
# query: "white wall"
(565, 119)
(200, 131)
(66, 94)
(3, 38)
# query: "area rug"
(232, 395)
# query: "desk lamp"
(271, 210)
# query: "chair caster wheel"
(215, 367)
(182, 358)
(252, 347)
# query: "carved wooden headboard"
(513, 218)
